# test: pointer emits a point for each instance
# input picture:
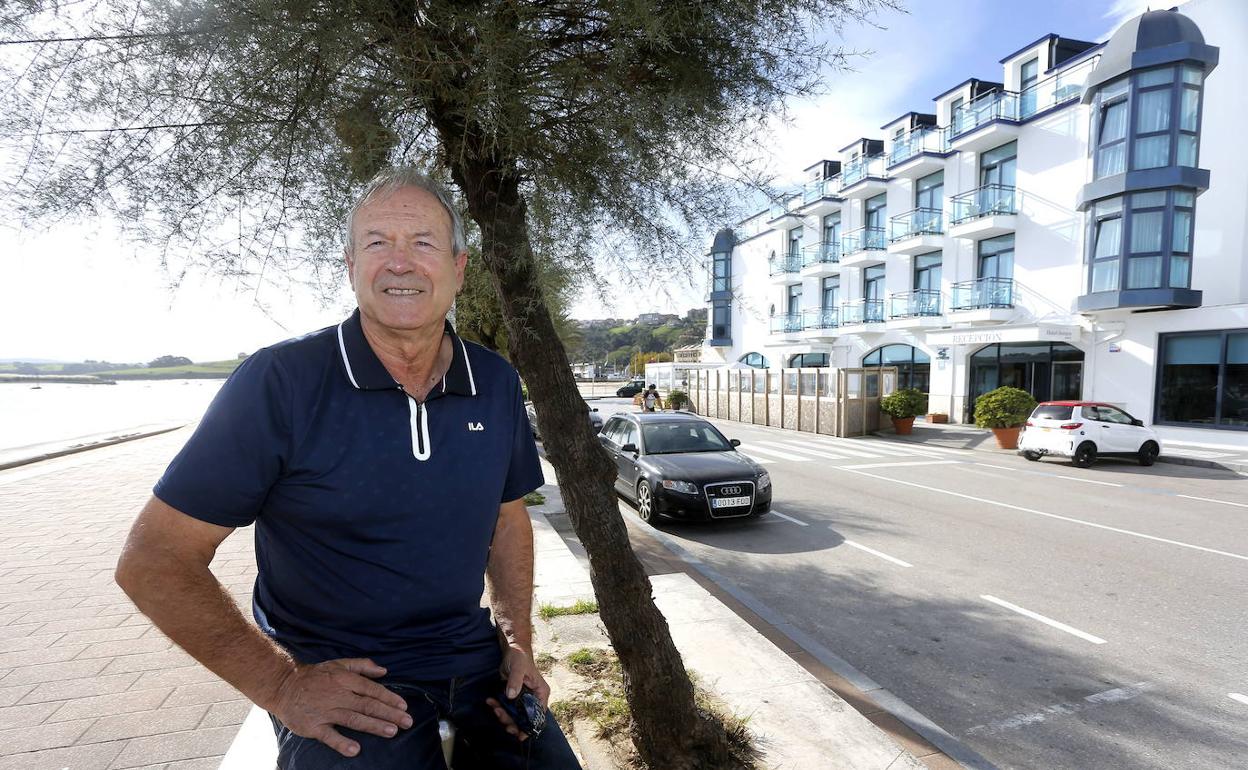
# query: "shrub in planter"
(1004, 410)
(678, 399)
(903, 406)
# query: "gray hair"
(395, 179)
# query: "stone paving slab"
(86, 682)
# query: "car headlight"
(764, 481)
(680, 486)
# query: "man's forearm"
(510, 573)
(190, 606)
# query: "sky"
(82, 292)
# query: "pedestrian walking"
(651, 399)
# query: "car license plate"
(729, 502)
(1046, 430)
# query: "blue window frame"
(1149, 119)
(1202, 379)
(1141, 241)
(721, 271)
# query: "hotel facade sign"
(1005, 334)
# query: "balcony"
(785, 269)
(983, 300)
(822, 324)
(1062, 88)
(864, 178)
(914, 309)
(821, 196)
(786, 327)
(916, 231)
(922, 152)
(985, 211)
(985, 122)
(786, 213)
(865, 244)
(821, 259)
(862, 315)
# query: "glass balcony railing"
(984, 202)
(860, 170)
(914, 304)
(787, 206)
(994, 105)
(788, 263)
(821, 188)
(982, 293)
(862, 311)
(786, 324)
(821, 318)
(1061, 88)
(863, 239)
(828, 252)
(915, 222)
(927, 139)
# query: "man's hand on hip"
(314, 699)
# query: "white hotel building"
(1076, 229)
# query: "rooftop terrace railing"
(859, 170)
(918, 141)
(1065, 86)
(983, 109)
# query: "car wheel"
(1085, 455)
(1033, 456)
(645, 502)
(1148, 453)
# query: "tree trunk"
(669, 731)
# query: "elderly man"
(384, 463)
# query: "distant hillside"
(121, 371)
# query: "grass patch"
(604, 704)
(582, 607)
(534, 498)
(545, 662)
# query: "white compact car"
(1085, 430)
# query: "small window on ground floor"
(1203, 379)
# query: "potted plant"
(903, 406)
(1004, 410)
(678, 399)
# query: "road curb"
(112, 441)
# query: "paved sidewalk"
(87, 683)
(1176, 452)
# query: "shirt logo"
(475, 426)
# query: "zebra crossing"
(861, 452)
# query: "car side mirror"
(629, 448)
(1137, 423)
(593, 409)
(735, 442)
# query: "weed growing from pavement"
(534, 498)
(603, 703)
(582, 607)
(545, 661)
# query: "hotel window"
(831, 292)
(832, 228)
(999, 165)
(1189, 116)
(875, 211)
(1152, 234)
(1203, 379)
(929, 191)
(808, 360)
(795, 242)
(721, 278)
(873, 282)
(1154, 97)
(1111, 140)
(1030, 72)
(721, 321)
(955, 119)
(793, 303)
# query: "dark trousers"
(481, 743)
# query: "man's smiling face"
(402, 265)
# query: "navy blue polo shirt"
(374, 513)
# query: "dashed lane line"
(1211, 500)
(1051, 475)
(901, 463)
(790, 446)
(798, 522)
(1035, 512)
(874, 552)
(1237, 697)
(1045, 620)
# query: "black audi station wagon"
(679, 465)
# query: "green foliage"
(165, 361)
(677, 399)
(1004, 407)
(903, 403)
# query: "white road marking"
(1042, 513)
(1047, 621)
(1237, 697)
(753, 447)
(798, 522)
(1054, 475)
(1116, 695)
(1211, 500)
(840, 448)
(896, 448)
(874, 552)
(900, 463)
(758, 460)
(793, 446)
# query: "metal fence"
(834, 402)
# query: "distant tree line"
(623, 343)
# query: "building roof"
(1150, 39)
(725, 240)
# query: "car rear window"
(1052, 412)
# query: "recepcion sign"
(1035, 333)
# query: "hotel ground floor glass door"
(1049, 371)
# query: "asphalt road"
(1046, 616)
